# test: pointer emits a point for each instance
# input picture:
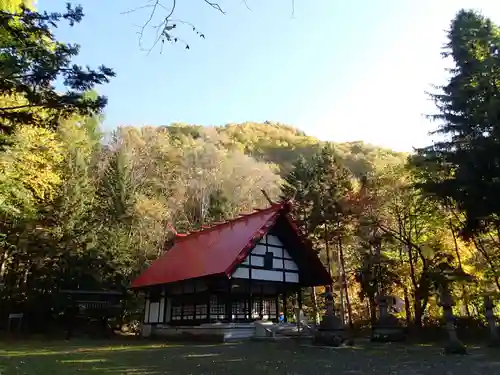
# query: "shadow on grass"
(84, 357)
(153, 358)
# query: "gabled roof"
(217, 250)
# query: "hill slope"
(282, 145)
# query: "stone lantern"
(331, 331)
(387, 328)
(489, 298)
(453, 344)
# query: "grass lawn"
(151, 358)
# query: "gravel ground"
(141, 358)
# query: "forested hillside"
(281, 145)
(66, 196)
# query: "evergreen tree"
(465, 163)
(31, 60)
(319, 187)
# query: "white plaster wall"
(282, 262)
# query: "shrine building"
(225, 277)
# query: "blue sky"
(339, 70)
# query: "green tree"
(29, 171)
(464, 165)
(31, 60)
(51, 242)
(13, 6)
(320, 188)
(412, 231)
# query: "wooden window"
(177, 312)
(188, 308)
(256, 307)
(188, 313)
(270, 307)
(201, 312)
(239, 309)
(217, 308)
(268, 260)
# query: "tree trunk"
(373, 310)
(479, 247)
(371, 294)
(344, 284)
(3, 264)
(420, 303)
(315, 305)
(405, 291)
(416, 303)
(368, 311)
(407, 306)
(341, 289)
(465, 296)
(327, 251)
(417, 321)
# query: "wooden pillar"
(194, 301)
(229, 302)
(299, 308)
(261, 303)
(284, 304)
(299, 298)
(277, 303)
(250, 290)
(209, 297)
(183, 288)
(249, 300)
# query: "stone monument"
(492, 324)
(331, 331)
(453, 344)
(388, 328)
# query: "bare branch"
(215, 6)
(136, 9)
(171, 10)
(153, 11)
(246, 5)
(164, 28)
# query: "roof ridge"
(209, 228)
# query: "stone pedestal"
(264, 329)
(492, 324)
(331, 331)
(388, 328)
(453, 344)
(146, 330)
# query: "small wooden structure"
(12, 318)
(220, 280)
(84, 306)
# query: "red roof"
(215, 250)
